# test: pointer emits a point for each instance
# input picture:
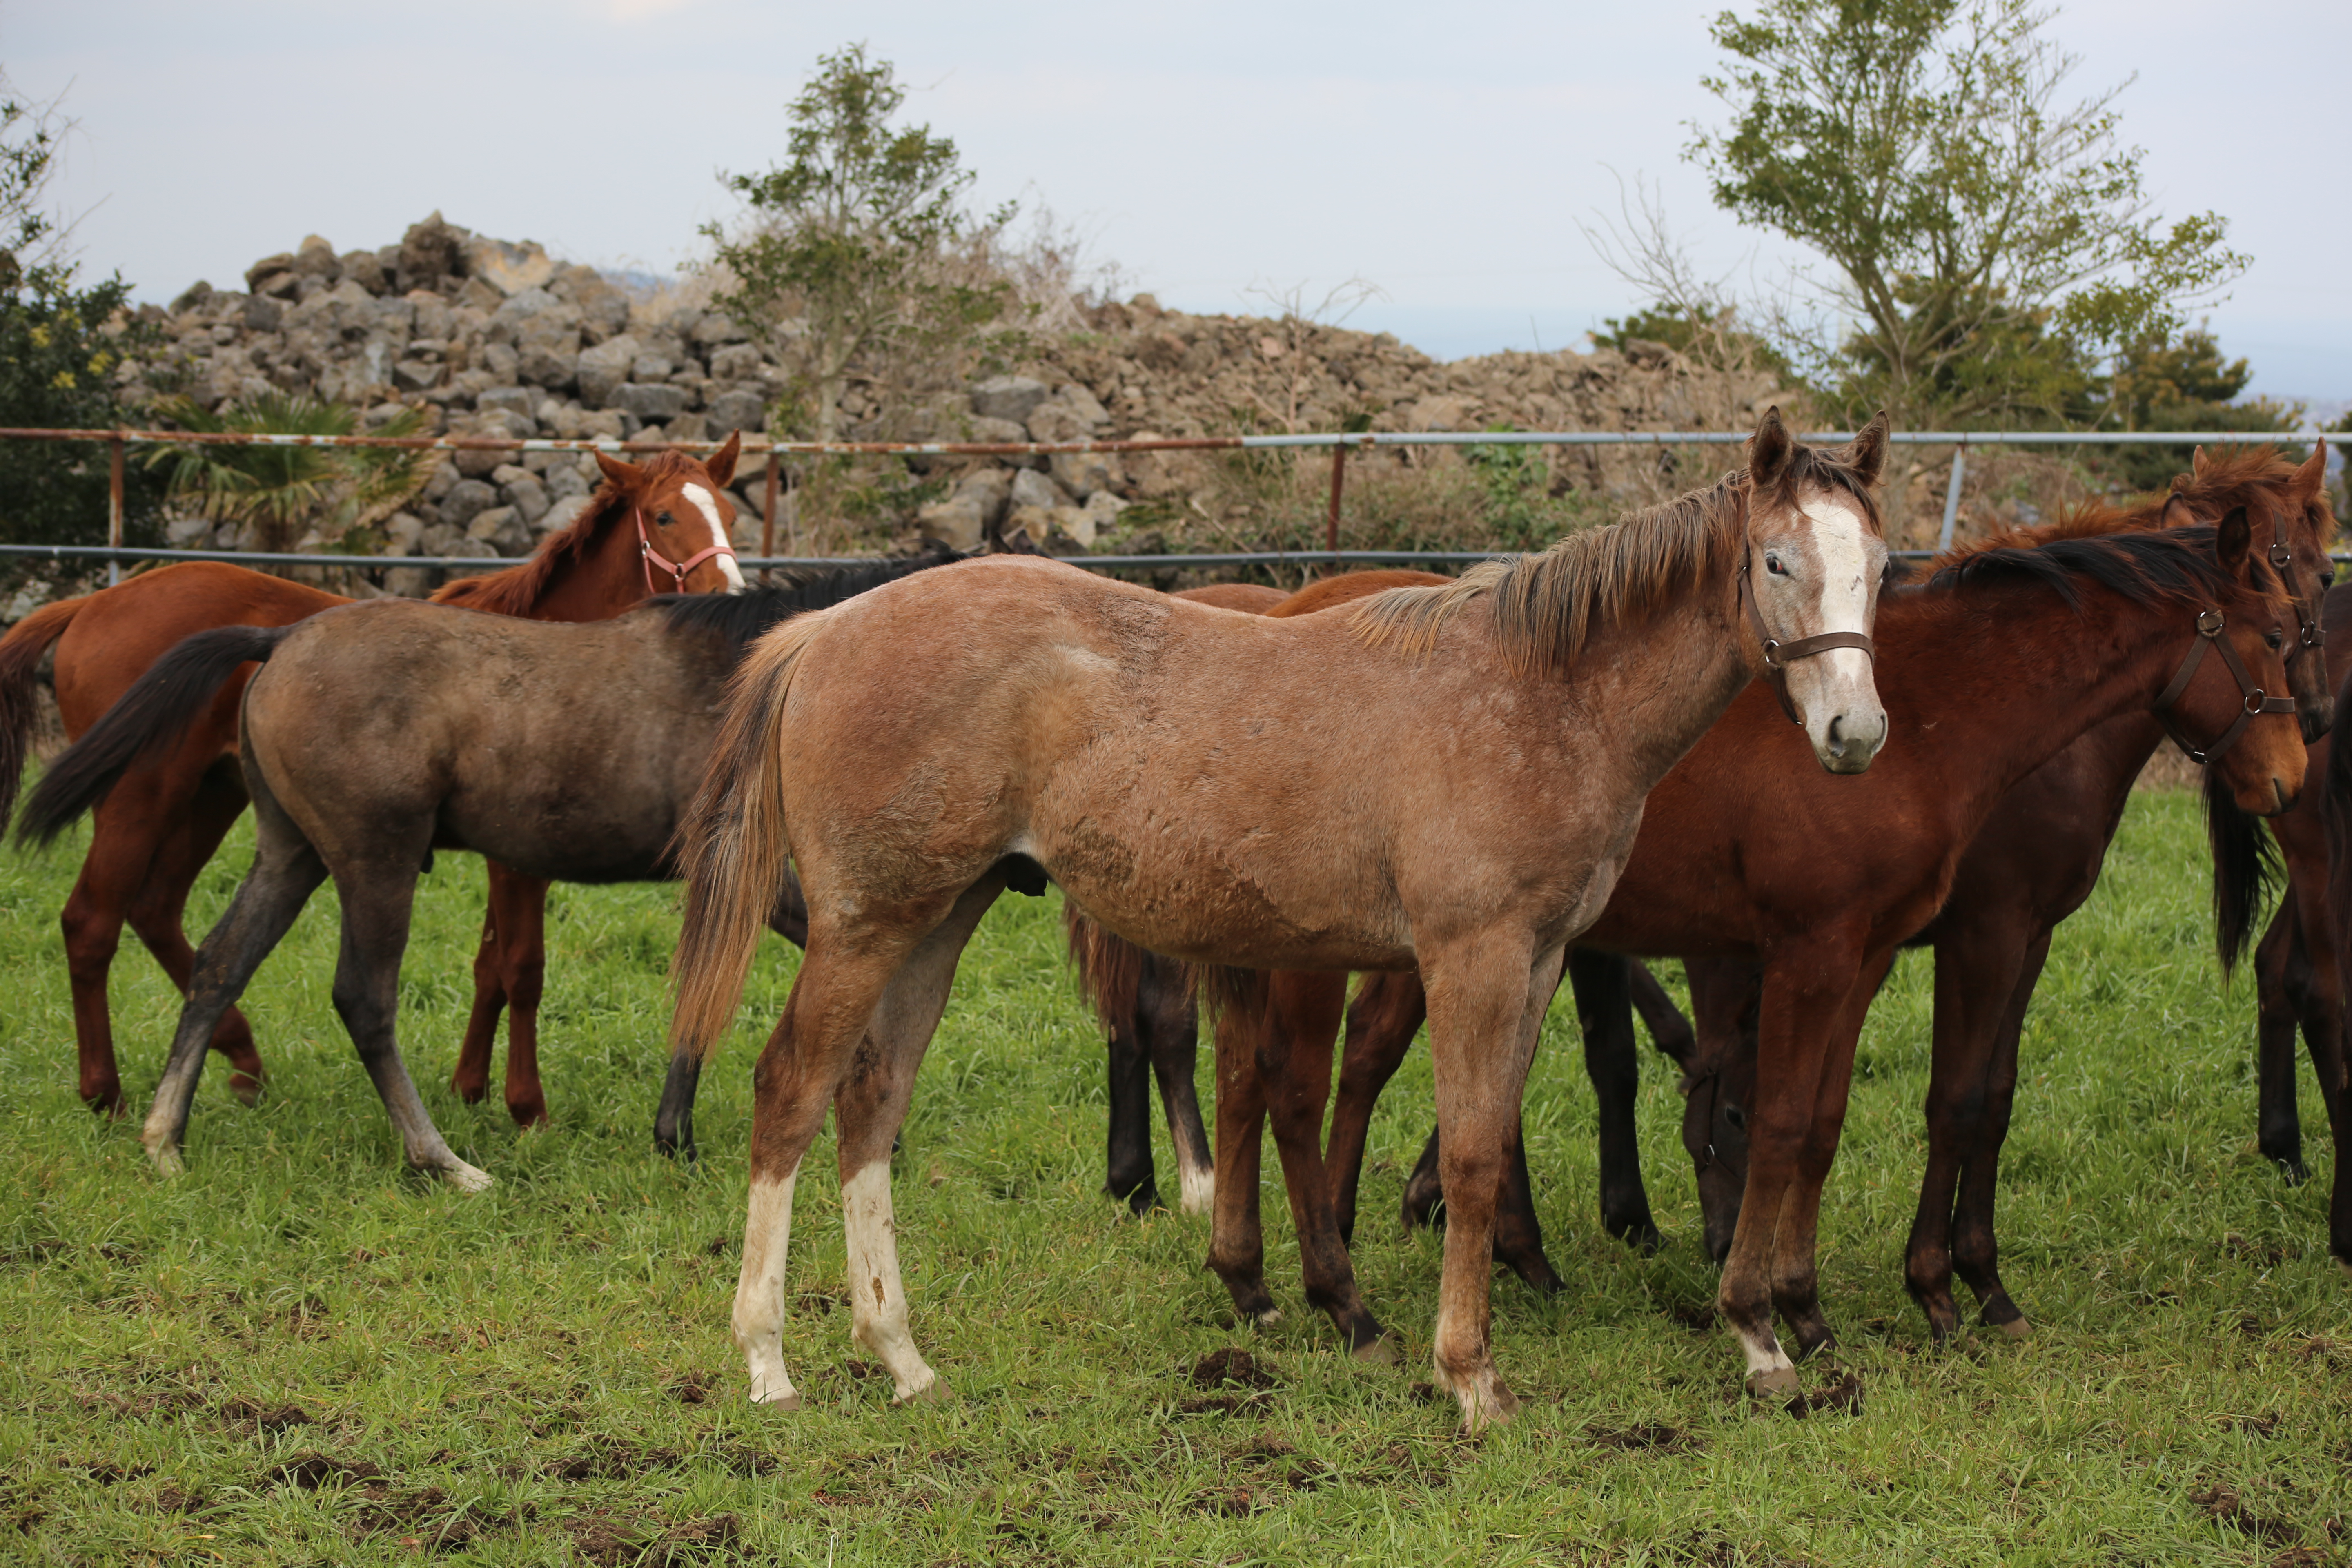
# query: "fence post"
(114, 508)
(1952, 497)
(767, 514)
(1338, 478)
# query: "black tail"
(2245, 870)
(160, 705)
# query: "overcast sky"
(1444, 153)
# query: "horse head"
(1816, 554)
(679, 507)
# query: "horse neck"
(1663, 679)
(602, 581)
(1998, 683)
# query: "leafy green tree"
(278, 492)
(1990, 247)
(2180, 384)
(853, 247)
(60, 346)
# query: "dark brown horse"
(2036, 860)
(1998, 664)
(1227, 789)
(374, 734)
(157, 830)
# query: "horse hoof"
(1379, 1350)
(246, 1088)
(1267, 1318)
(2294, 1172)
(2017, 1328)
(1776, 1386)
(935, 1392)
(167, 1160)
(465, 1178)
(788, 1400)
(1486, 1402)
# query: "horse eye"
(662, 518)
(2277, 641)
(1737, 1117)
(2327, 579)
(1772, 564)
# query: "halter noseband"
(677, 569)
(2208, 634)
(2308, 635)
(1777, 654)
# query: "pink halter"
(677, 569)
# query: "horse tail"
(1110, 968)
(20, 661)
(2245, 868)
(156, 711)
(732, 846)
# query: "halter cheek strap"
(2308, 635)
(2208, 634)
(1777, 654)
(677, 569)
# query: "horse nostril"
(1837, 736)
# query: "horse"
(1148, 1005)
(377, 733)
(2033, 864)
(1201, 783)
(155, 832)
(1999, 661)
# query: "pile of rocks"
(486, 337)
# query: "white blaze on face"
(707, 505)
(1850, 568)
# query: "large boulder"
(737, 410)
(510, 268)
(653, 402)
(466, 500)
(1012, 397)
(604, 368)
(429, 252)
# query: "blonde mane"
(1548, 606)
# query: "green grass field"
(300, 1354)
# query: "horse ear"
(1867, 451)
(2197, 461)
(720, 465)
(2313, 472)
(620, 474)
(2234, 540)
(1769, 450)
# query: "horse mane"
(741, 619)
(2151, 566)
(1549, 604)
(516, 590)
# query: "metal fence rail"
(114, 553)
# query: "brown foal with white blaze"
(1223, 788)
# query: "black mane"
(742, 618)
(2173, 564)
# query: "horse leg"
(157, 913)
(126, 832)
(377, 895)
(1670, 1032)
(1718, 1083)
(1171, 1018)
(2322, 1009)
(1293, 1065)
(1975, 1249)
(1424, 1189)
(286, 871)
(1518, 1234)
(829, 1013)
(470, 1079)
(674, 1119)
(1486, 1002)
(1981, 964)
(1381, 1021)
(1796, 1279)
(1805, 990)
(1603, 984)
(1236, 1237)
(1126, 1152)
(2278, 1124)
(519, 905)
(870, 1106)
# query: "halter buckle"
(2208, 623)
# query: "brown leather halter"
(2308, 635)
(2208, 634)
(1777, 654)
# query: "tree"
(2183, 384)
(60, 347)
(852, 249)
(1993, 249)
(279, 491)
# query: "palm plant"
(278, 493)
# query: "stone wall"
(488, 337)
